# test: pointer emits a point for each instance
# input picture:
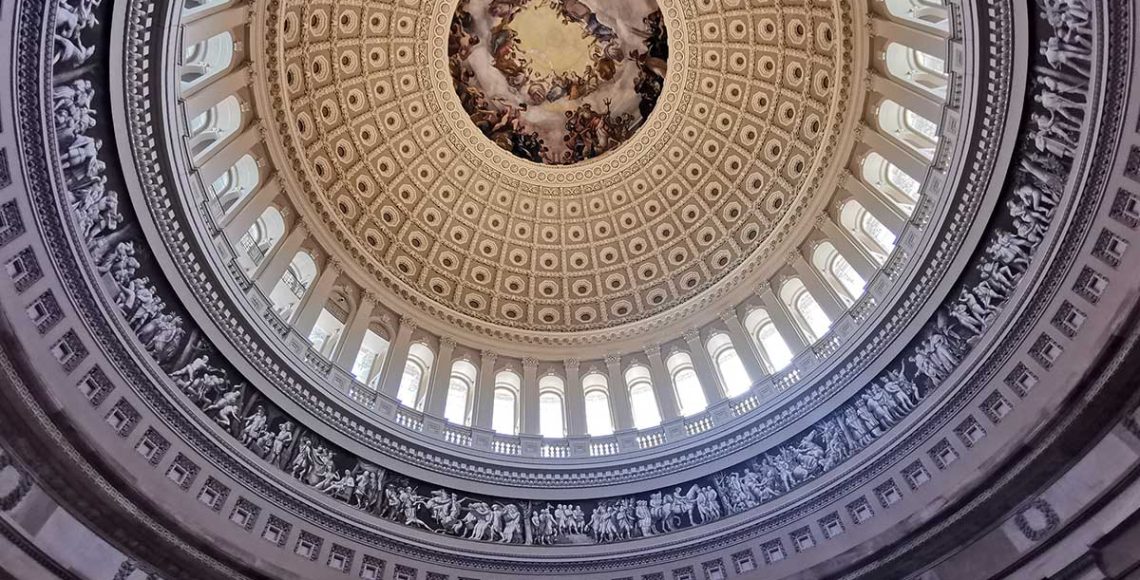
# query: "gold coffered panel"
(722, 170)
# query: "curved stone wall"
(926, 413)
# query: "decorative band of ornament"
(354, 420)
(203, 278)
(125, 268)
(206, 279)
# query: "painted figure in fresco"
(514, 102)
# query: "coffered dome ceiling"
(592, 289)
(407, 135)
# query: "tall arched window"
(190, 7)
(732, 373)
(370, 359)
(910, 129)
(599, 420)
(213, 126)
(773, 349)
(234, 185)
(838, 272)
(928, 12)
(641, 397)
(805, 310)
(293, 285)
(898, 187)
(690, 395)
(260, 239)
(416, 373)
(915, 68)
(459, 388)
(878, 232)
(505, 411)
(326, 333)
(867, 230)
(551, 407)
(206, 59)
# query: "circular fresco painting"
(558, 81)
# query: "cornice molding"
(944, 411)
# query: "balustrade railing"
(651, 439)
(365, 395)
(744, 405)
(506, 447)
(862, 307)
(826, 346)
(359, 392)
(274, 320)
(317, 361)
(456, 436)
(410, 419)
(461, 436)
(698, 425)
(603, 448)
(785, 381)
(557, 450)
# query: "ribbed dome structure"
(654, 289)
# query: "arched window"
(913, 131)
(261, 237)
(920, 125)
(916, 68)
(867, 230)
(196, 6)
(901, 189)
(732, 373)
(291, 288)
(234, 185)
(641, 397)
(838, 272)
(505, 411)
(773, 349)
(686, 385)
(459, 388)
(416, 373)
(213, 126)
(551, 407)
(326, 333)
(903, 181)
(805, 310)
(928, 12)
(200, 123)
(599, 420)
(875, 229)
(206, 60)
(370, 359)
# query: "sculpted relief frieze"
(120, 264)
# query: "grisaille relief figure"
(72, 19)
(558, 81)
